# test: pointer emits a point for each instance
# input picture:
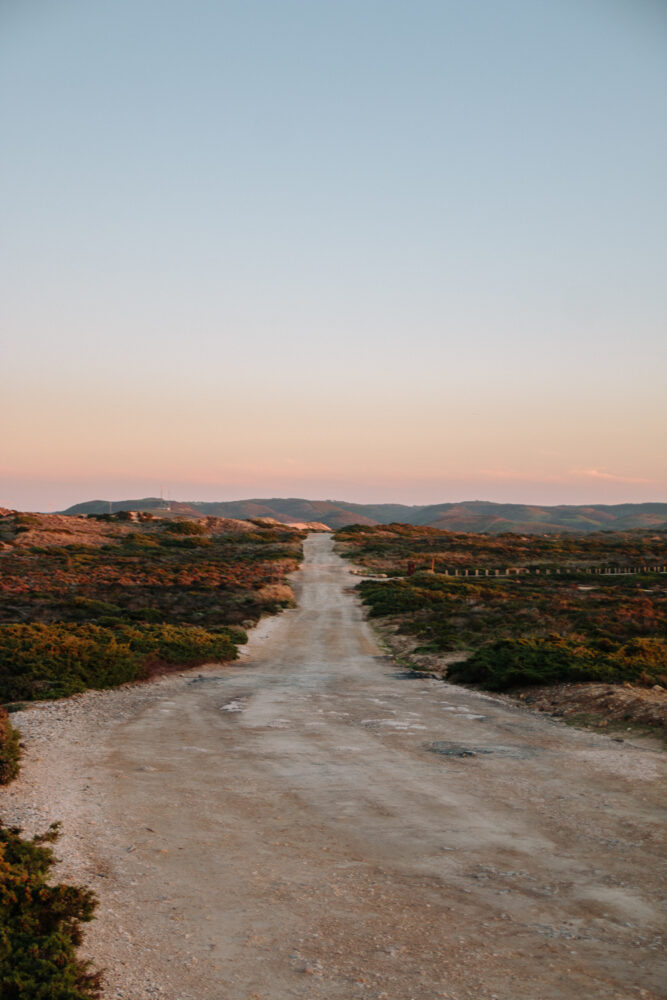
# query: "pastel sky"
(353, 249)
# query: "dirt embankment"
(616, 707)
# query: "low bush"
(185, 527)
(40, 925)
(53, 661)
(185, 541)
(10, 749)
(509, 663)
(140, 540)
(398, 597)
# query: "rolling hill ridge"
(474, 515)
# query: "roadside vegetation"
(40, 925)
(42, 661)
(155, 596)
(10, 749)
(399, 549)
(564, 625)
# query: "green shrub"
(54, 661)
(26, 520)
(185, 528)
(186, 542)
(10, 749)
(40, 925)
(88, 608)
(140, 540)
(397, 597)
(511, 663)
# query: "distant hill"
(474, 515)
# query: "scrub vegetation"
(10, 749)
(155, 596)
(563, 619)
(40, 925)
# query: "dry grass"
(45, 530)
(278, 592)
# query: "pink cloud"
(609, 476)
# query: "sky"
(352, 249)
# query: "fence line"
(527, 571)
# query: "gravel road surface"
(311, 823)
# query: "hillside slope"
(476, 515)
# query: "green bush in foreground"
(40, 925)
(10, 750)
(41, 661)
(511, 663)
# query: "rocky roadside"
(58, 739)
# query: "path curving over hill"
(310, 823)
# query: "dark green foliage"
(139, 540)
(53, 661)
(10, 749)
(89, 609)
(186, 528)
(40, 925)
(187, 542)
(517, 662)
(403, 596)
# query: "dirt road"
(303, 825)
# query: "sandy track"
(297, 826)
